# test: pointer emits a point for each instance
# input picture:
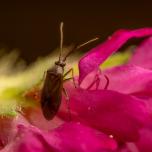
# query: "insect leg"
(67, 79)
(72, 71)
(67, 100)
(96, 81)
(107, 83)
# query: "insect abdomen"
(51, 95)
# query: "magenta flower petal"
(128, 147)
(99, 54)
(77, 137)
(36, 118)
(70, 137)
(145, 142)
(109, 111)
(121, 79)
(143, 54)
(128, 79)
(8, 129)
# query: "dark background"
(33, 27)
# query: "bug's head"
(60, 63)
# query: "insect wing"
(51, 95)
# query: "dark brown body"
(52, 91)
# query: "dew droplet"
(111, 136)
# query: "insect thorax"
(59, 66)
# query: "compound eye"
(63, 64)
(60, 63)
(57, 62)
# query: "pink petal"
(83, 138)
(143, 54)
(8, 128)
(128, 147)
(145, 142)
(99, 54)
(112, 112)
(128, 79)
(36, 118)
(145, 92)
(70, 137)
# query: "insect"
(53, 85)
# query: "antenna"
(61, 40)
(79, 46)
(85, 43)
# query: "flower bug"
(53, 85)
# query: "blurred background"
(33, 27)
